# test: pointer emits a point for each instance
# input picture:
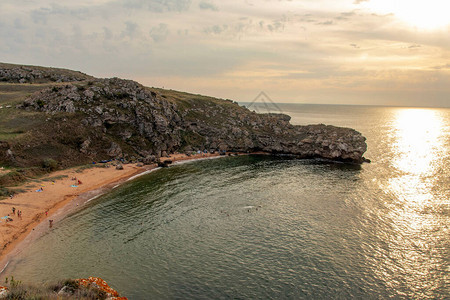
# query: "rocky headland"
(80, 118)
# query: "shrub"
(12, 178)
(40, 103)
(49, 164)
(4, 192)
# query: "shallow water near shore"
(273, 227)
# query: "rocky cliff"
(116, 118)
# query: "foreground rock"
(100, 284)
(116, 118)
(83, 288)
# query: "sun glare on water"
(419, 148)
(418, 133)
(418, 139)
(427, 15)
(419, 145)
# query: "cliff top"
(34, 74)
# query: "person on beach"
(79, 181)
(50, 223)
(14, 210)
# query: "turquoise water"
(259, 227)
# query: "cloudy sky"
(385, 52)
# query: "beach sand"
(58, 198)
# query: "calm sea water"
(260, 227)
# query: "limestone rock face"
(85, 146)
(114, 150)
(132, 120)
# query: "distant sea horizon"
(245, 103)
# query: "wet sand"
(61, 194)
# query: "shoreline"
(59, 199)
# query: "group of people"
(77, 180)
(50, 222)
(41, 189)
(19, 214)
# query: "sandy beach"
(55, 195)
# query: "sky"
(370, 52)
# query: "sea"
(273, 227)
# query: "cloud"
(130, 31)
(216, 29)
(345, 15)
(207, 6)
(276, 26)
(360, 1)
(325, 23)
(157, 5)
(18, 24)
(107, 33)
(42, 14)
(159, 33)
(442, 67)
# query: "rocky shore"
(121, 119)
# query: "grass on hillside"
(189, 99)
(14, 93)
(15, 122)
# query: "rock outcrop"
(31, 74)
(83, 288)
(142, 121)
(100, 284)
